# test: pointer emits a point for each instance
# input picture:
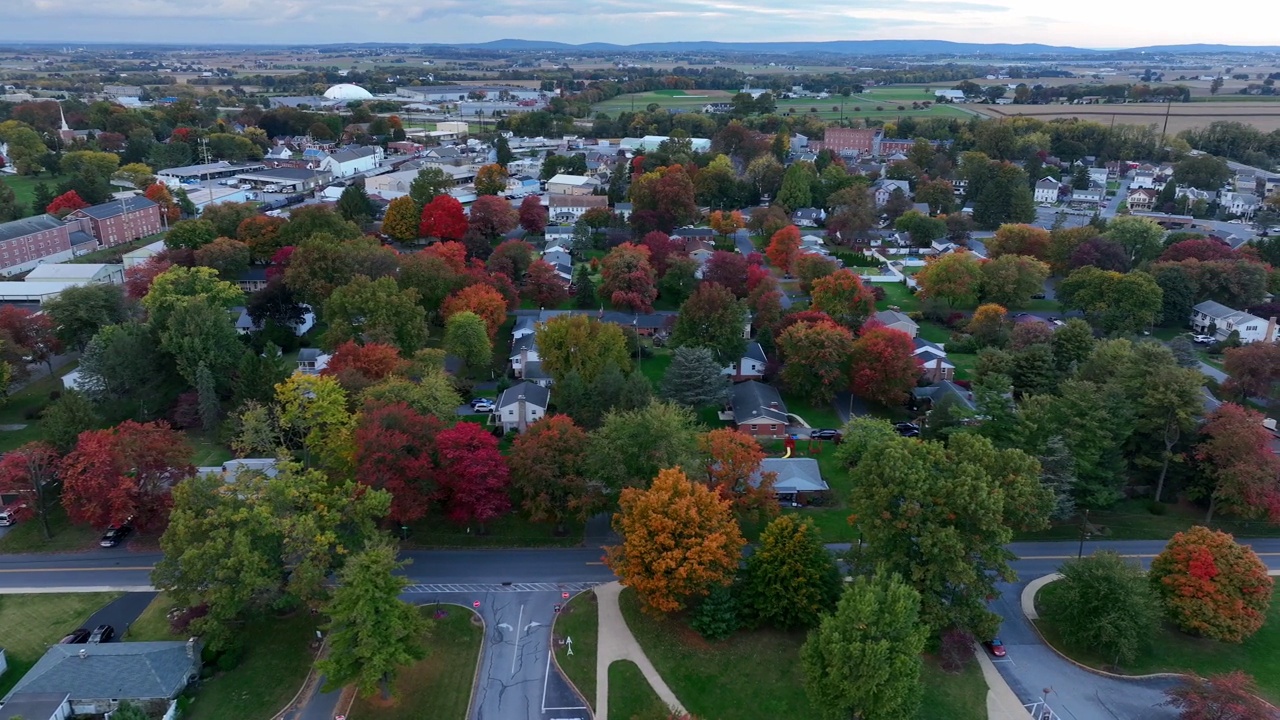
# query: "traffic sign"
(564, 595)
(475, 604)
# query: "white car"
(483, 405)
(1203, 339)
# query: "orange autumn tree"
(783, 247)
(733, 458)
(1212, 586)
(726, 223)
(482, 300)
(679, 540)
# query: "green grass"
(1131, 520)
(276, 661)
(965, 364)
(579, 619)
(887, 98)
(28, 536)
(22, 408)
(817, 416)
(934, 333)
(1174, 651)
(655, 368)
(116, 253)
(897, 294)
(153, 624)
(670, 93)
(963, 695)
(1050, 306)
(209, 452)
(32, 623)
(24, 188)
(630, 695)
(440, 685)
(510, 531)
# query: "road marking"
(1137, 555)
(495, 587)
(73, 569)
(546, 675)
(596, 563)
(516, 654)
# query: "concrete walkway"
(617, 643)
(1002, 701)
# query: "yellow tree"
(726, 223)
(679, 540)
(401, 220)
(313, 418)
(491, 180)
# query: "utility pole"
(1168, 105)
(1084, 533)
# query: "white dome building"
(347, 91)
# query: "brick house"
(758, 410)
(120, 221)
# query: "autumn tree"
(843, 297)
(467, 337)
(491, 180)
(1139, 236)
(732, 460)
(124, 472)
(511, 258)
(159, 194)
(663, 199)
(549, 472)
(883, 366)
(580, 343)
(989, 325)
(190, 234)
(816, 359)
(1012, 280)
(1012, 239)
(491, 216)
(375, 311)
(911, 497)
(1252, 370)
(627, 278)
(1116, 303)
(712, 318)
(482, 300)
(372, 632)
(442, 218)
(229, 258)
(533, 216)
(226, 217)
(810, 267)
(402, 219)
(313, 418)
(261, 234)
(1242, 474)
(1229, 696)
(65, 204)
(783, 247)
(791, 579)
(1104, 602)
(728, 269)
(432, 393)
(954, 279)
(29, 472)
(393, 449)
(863, 660)
(678, 541)
(473, 475)
(1212, 586)
(544, 286)
(631, 446)
(34, 333)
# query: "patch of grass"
(1174, 651)
(514, 530)
(630, 695)
(965, 364)
(438, 686)
(579, 619)
(710, 417)
(756, 674)
(276, 660)
(934, 333)
(1131, 520)
(655, 367)
(115, 254)
(28, 535)
(24, 189)
(209, 452)
(1044, 305)
(34, 622)
(24, 406)
(897, 294)
(153, 624)
(817, 416)
(962, 696)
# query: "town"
(515, 381)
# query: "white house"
(1098, 176)
(1222, 320)
(523, 351)
(950, 95)
(884, 188)
(311, 361)
(1240, 203)
(898, 321)
(750, 366)
(1092, 195)
(566, 209)
(352, 161)
(1144, 177)
(245, 324)
(142, 254)
(522, 405)
(1047, 190)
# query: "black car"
(102, 634)
(115, 535)
(904, 427)
(77, 636)
(826, 434)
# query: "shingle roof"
(33, 705)
(28, 226)
(1214, 309)
(755, 401)
(755, 352)
(533, 394)
(793, 475)
(113, 208)
(351, 154)
(890, 317)
(123, 670)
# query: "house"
(955, 96)
(563, 184)
(933, 362)
(750, 366)
(795, 480)
(524, 350)
(1092, 195)
(568, 208)
(1098, 176)
(1243, 204)
(700, 250)
(1218, 320)
(352, 161)
(1193, 194)
(884, 188)
(898, 321)
(231, 469)
(522, 405)
(84, 274)
(119, 221)
(1144, 178)
(623, 210)
(245, 324)
(253, 279)
(758, 410)
(1047, 190)
(524, 327)
(37, 706)
(1271, 186)
(1141, 200)
(94, 678)
(311, 361)
(933, 395)
(522, 185)
(142, 254)
(559, 234)
(808, 217)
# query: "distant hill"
(855, 47)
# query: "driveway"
(121, 612)
(742, 242)
(1213, 372)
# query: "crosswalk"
(498, 588)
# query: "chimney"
(1271, 330)
(937, 370)
(774, 404)
(521, 421)
(191, 648)
(524, 361)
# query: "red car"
(995, 647)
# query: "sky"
(1080, 23)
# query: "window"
(773, 428)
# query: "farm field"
(855, 106)
(1182, 116)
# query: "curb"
(79, 589)
(554, 659)
(307, 682)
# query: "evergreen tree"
(207, 392)
(791, 579)
(503, 150)
(43, 195)
(585, 299)
(1058, 474)
(695, 379)
(1032, 370)
(717, 615)
(9, 209)
(354, 205)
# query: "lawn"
(579, 619)
(28, 535)
(153, 624)
(655, 367)
(897, 294)
(116, 253)
(817, 416)
(962, 695)
(1174, 651)
(24, 406)
(34, 622)
(630, 695)
(512, 530)
(827, 109)
(1132, 520)
(440, 685)
(24, 188)
(209, 452)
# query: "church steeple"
(63, 116)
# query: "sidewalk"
(617, 643)
(1002, 703)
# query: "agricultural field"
(875, 103)
(1182, 116)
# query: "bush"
(717, 615)
(877, 292)
(857, 108)
(916, 315)
(1156, 507)
(1104, 602)
(180, 621)
(230, 658)
(901, 108)
(955, 649)
(879, 108)
(963, 344)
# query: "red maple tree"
(124, 472)
(482, 300)
(816, 359)
(137, 279)
(783, 247)
(492, 216)
(66, 203)
(1203, 249)
(28, 472)
(1231, 696)
(473, 475)
(883, 366)
(358, 366)
(661, 247)
(544, 286)
(533, 216)
(627, 278)
(159, 194)
(549, 471)
(443, 218)
(452, 252)
(393, 453)
(34, 332)
(733, 470)
(1236, 457)
(730, 269)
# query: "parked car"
(116, 534)
(826, 434)
(77, 636)
(8, 517)
(995, 647)
(1203, 339)
(483, 405)
(102, 634)
(907, 429)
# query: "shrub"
(1156, 507)
(901, 108)
(955, 649)
(877, 292)
(1212, 586)
(879, 108)
(857, 108)
(1104, 602)
(717, 615)
(181, 620)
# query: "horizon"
(444, 22)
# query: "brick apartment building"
(30, 241)
(119, 221)
(862, 141)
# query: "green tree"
(433, 394)
(677, 283)
(922, 228)
(26, 149)
(791, 578)
(67, 417)
(467, 337)
(372, 632)
(1032, 370)
(1140, 237)
(207, 393)
(376, 311)
(797, 186)
(122, 370)
(227, 216)
(9, 209)
(632, 446)
(190, 234)
(1104, 602)
(200, 333)
(178, 285)
(581, 343)
(354, 205)
(80, 311)
(1011, 280)
(954, 278)
(695, 379)
(1203, 172)
(1058, 475)
(81, 162)
(1072, 343)
(912, 495)
(1113, 302)
(864, 661)
(712, 318)
(430, 182)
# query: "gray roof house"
(937, 391)
(98, 677)
(898, 321)
(758, 409)
(794, 477)
(521, 405)
(36, 706)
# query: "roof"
(28, 226)
(137, 203)
(532, 370)
(752, 400)
(220, 166)
(522, 343)
(309, 354)
(587, 201)
(654, 320)
(80, 237)
(353, 154)
(33, 705)
(755, 352)
(929, 359)
(893, 317)
(69, 271)
(922, 344)
(577, 180)
(533, 394)
(793, 475)
(1214, 309)
(944, 388)
(283, 174)
(122, 670)
(1048, 183)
